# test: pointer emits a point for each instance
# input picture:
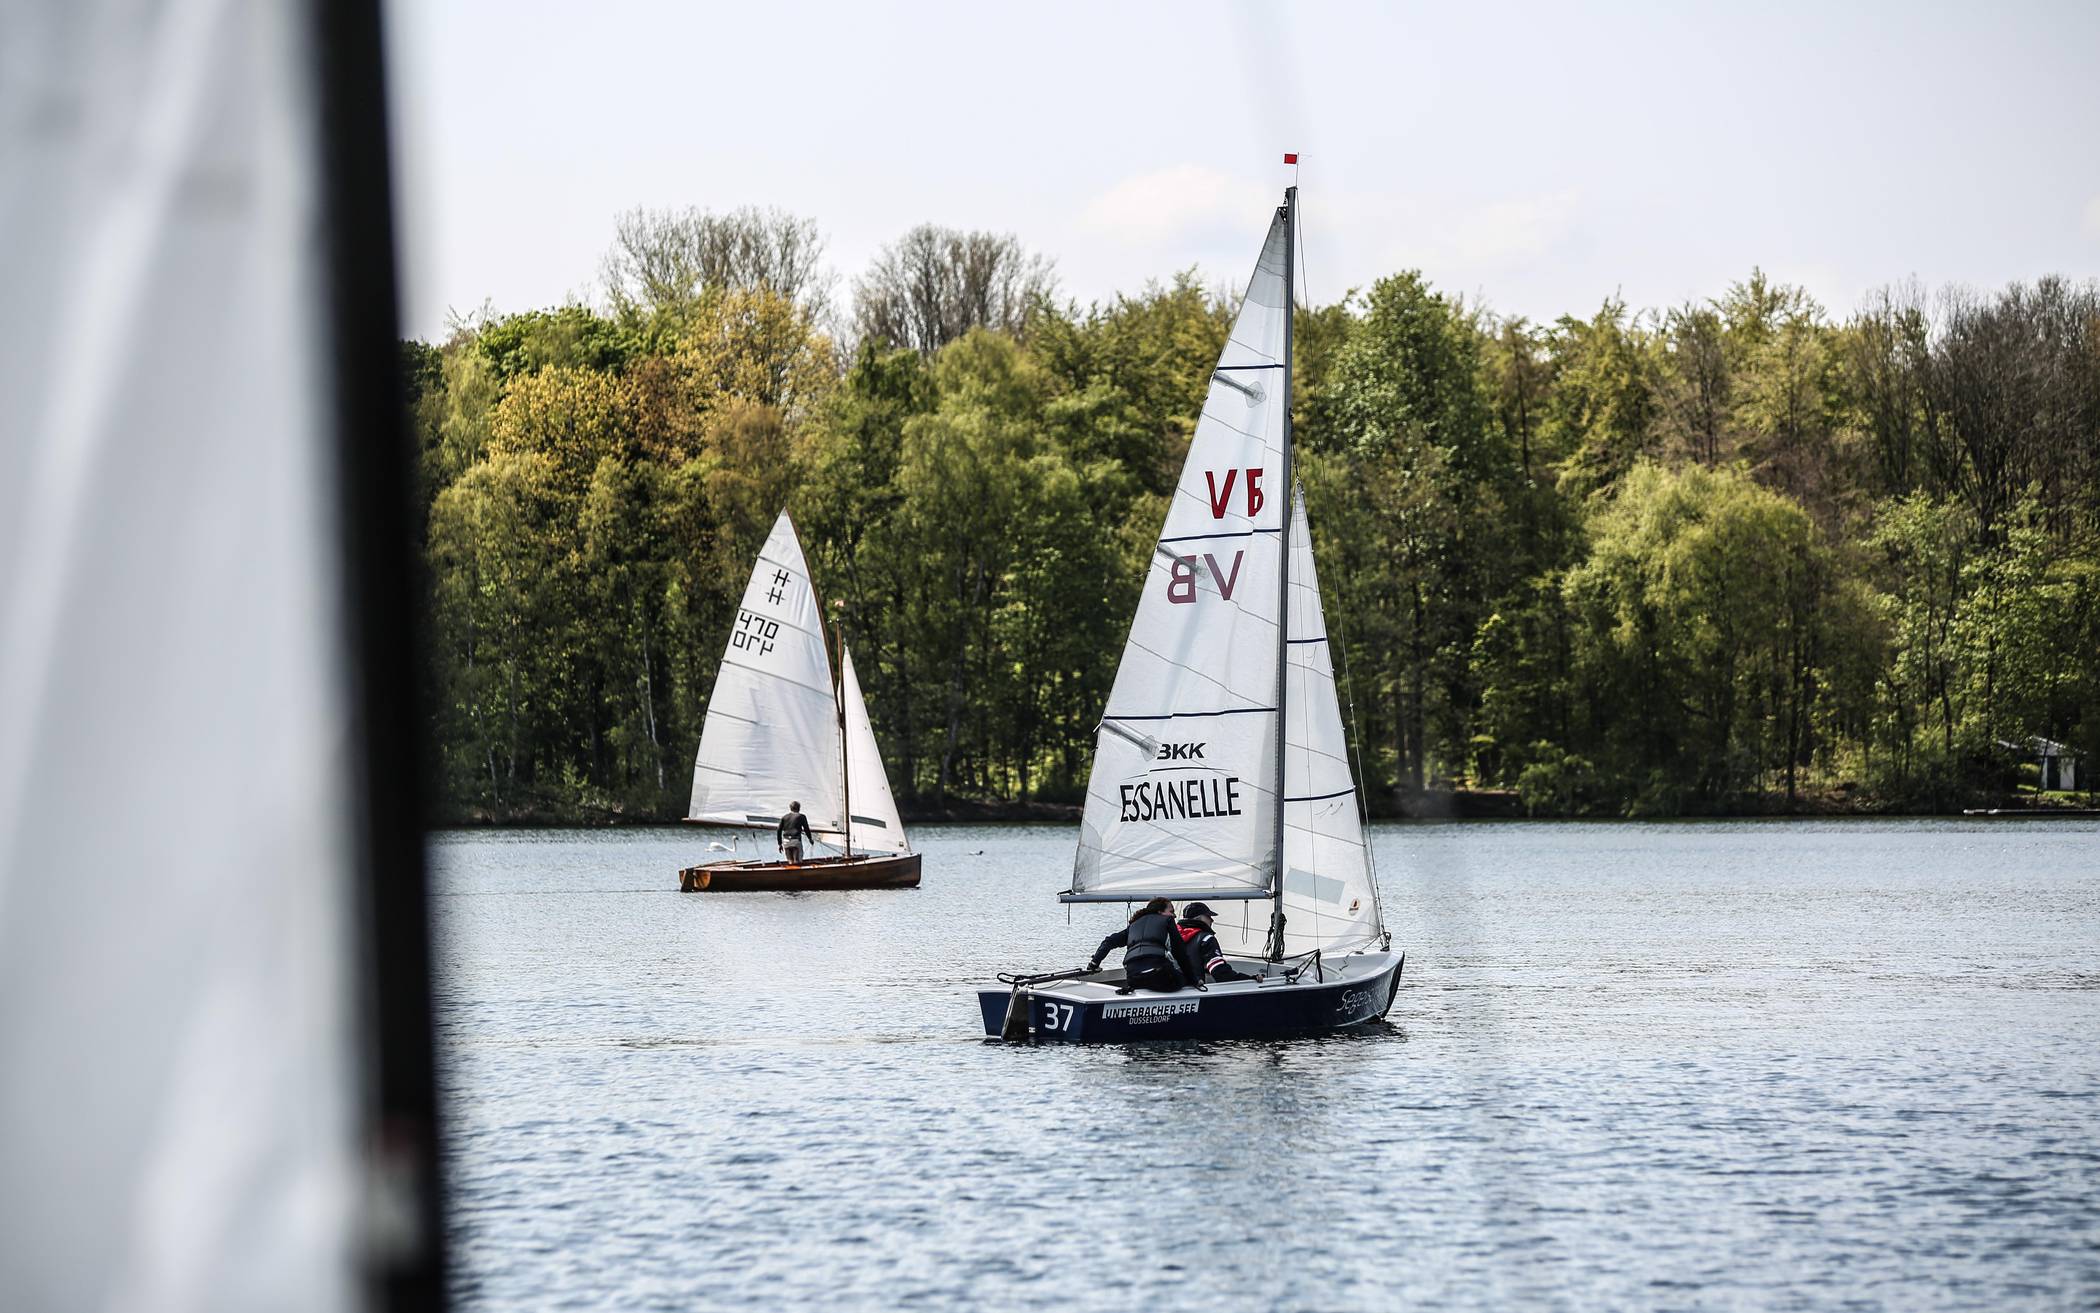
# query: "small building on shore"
(2057, 763)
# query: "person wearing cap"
(1154, 956)
(1204, 951)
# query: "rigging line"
(1298, 232)
(752, 721)
(1205, 676)
(1224, 423)
(720, 770)
(1222, 877)
(802, 684)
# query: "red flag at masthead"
(1291, 158)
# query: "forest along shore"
(1743, 555)
(1448, 804)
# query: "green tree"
(1701, 636)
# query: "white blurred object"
(178, 1071)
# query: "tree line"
(1736, 555)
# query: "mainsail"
(876, 825)
(771, 735)
(1182, 800)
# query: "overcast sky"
(1541, 156)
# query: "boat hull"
(1355, 989)
(900, 871)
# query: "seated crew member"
(1205, 954)
(1154, 957)
(794, 832)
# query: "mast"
(845, 753)
(1286, 491)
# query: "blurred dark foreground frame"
(405, 1246)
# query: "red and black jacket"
(1205, 953)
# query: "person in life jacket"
(1154, 956)
(1204, 951)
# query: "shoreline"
(1431, 805)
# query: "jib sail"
(876, 825)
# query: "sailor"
(1154, 956)
(794, 830)
(1204, 952)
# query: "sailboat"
(1221, 770)
(779, 730)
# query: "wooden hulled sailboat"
(780, 730)
(1221, 770)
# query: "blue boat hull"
(1092, 1013)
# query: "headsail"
(1330, 901)
(1182, 797)
(771, 735)
(876, 825)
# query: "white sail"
(771, 735)
(1181, 801)
(876, 825)
(1330, 901)
(182, 1059)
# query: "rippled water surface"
(1751, 1065)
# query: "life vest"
(1148, 944)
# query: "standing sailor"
(794, 832)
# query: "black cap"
(1194, 910)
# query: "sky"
(1540, 158)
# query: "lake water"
(1758, 1065)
